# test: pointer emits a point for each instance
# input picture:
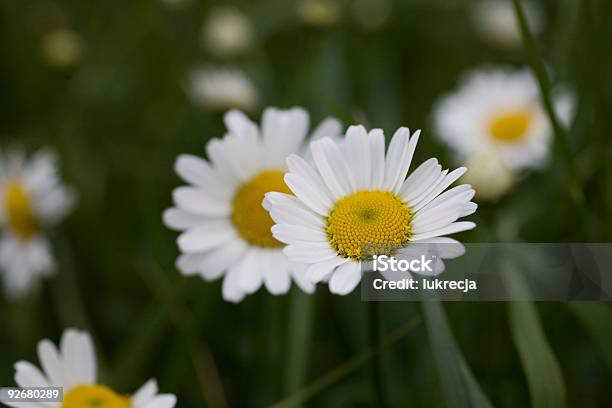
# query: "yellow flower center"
(19, 212)
(510, 126)
(367, 223)
(94, 396)
(251, 220)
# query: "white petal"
(298, 272)
(250, 271)
(319, 271)
(309, 252)
(333, 168)
(450, 229)
(276, 273)
(180, 220)
(309, 194)
(28, 375)
(330, 127)
(198, 201)
(293, 233)
(420, 179)
(230, 288)
(207, 236)
(399, 156)
(284, 131)
(443, 185)
(79, 358)
(358, 156)
(301, 167)
(199, 172)
(240, 125)
(50, 360)
(145, 393)
(346, 277)
(161, 401)
(376, 139)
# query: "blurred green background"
(119, 114)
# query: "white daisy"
(496, 22)
(32, 198)
(221, 89)
(226, 230)
(356, 196)
(73, 367)
(497, 111)
(228, 32)
(489, 176)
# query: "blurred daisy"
(62, 47)
(498, 111)
(73, 366)
(32, 198)
(356, 196)
(319, 13)
(226, 229)
(496, 21)
(227, 32)
(221, 89)
(489, 176)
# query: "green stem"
(338, 373)
(561, 141)
(377, 364)
(300, 329)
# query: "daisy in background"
(496, 122)
(32, 198)
(228, 32)
(226, 232)
(73, 367)
(220, 89)
(356, 196)
(495, 21)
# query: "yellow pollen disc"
(510, 126)
(94, 396)
(376, 219)
(19, 212)
(251, 220)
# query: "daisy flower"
(228, 32)
(356, 196)
(495, 21)
(226, 232)
(72, 366)
(498, 111)
(32, 198)
(221, 88)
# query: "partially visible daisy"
(32, 198)
(227, 32)
(496, 22)
(489, 176)
(73, 367)
(221, 89)
(226, 232)
(498, 111)
(62, 47)
(355, 196)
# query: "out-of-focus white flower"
(355, 195)
(496, 21)
(73, 367)
(371, 14)
(489, 176)
(225, 229)
(62, 47)
(498, 110)
(32, 198)
(319, 13)
(221, 89)
(227, 32)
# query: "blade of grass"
(459, 386)
(343, 370)
(544, 377)
(298, 349)
(561, 141)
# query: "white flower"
(73, 366)
(227, 32)
(319, 13)
(32, 198)
(221, 89)
(356, 196)
(497, 111)
(496, 21)
(226, 230)
(62, 47)
(489, 176)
